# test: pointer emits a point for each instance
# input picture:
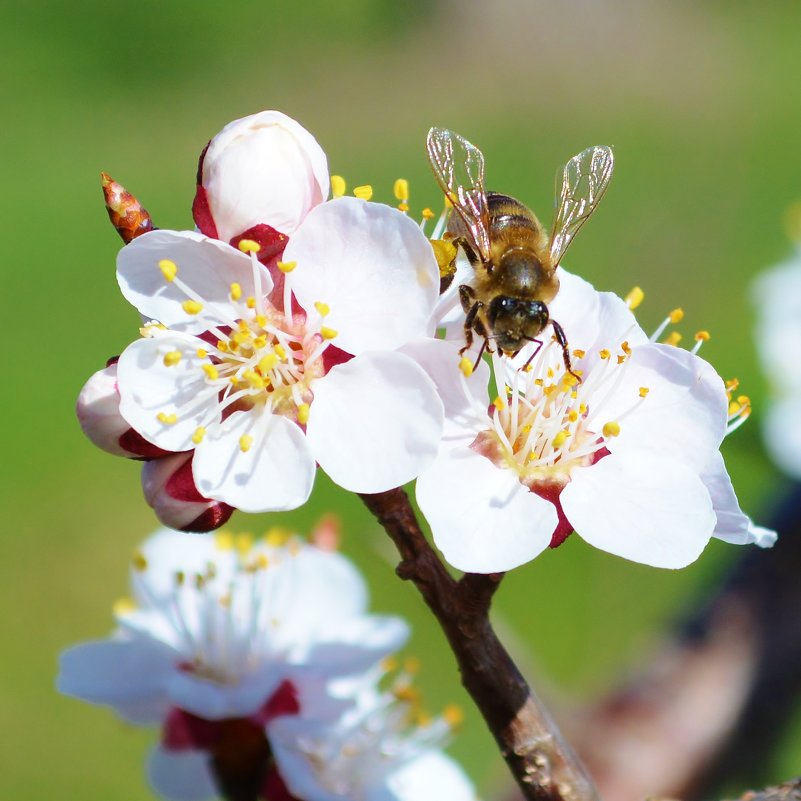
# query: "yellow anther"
(466, 366)
(322, 308)
(249, 246)
(236, 291)
(268, 362)
(447, 202)
(123, 606)
(744, 400)
(499, 403)
(151, 328)
(172, 358)
(673, 338)
(676, 316)
(401, 189)
(734, 407)
(582, 408)
(224, 540)
(280, 351)
(328, 333)
(702, 336)
(251, 302)
(427, 213)
(244, 542)
(243, 326)
(260, 342)
(212, 373)
(222, 345)
(411, 665)
(169, 269)
(255, 381)
(549, 372)
(245, 443)
(644, 391)
(389, 664)
(578, 353)
(201, 353)
(338, 186)
(286, 266)
(453, 716)
(303, 413)
(625, 347)
(621, 358)
(260, 320)
(539, 382)
(225, 601)
(572, 415)
(197, 437)
(192, 307)
(240, 338)
(569, 380)
(611, 429)
(635, 297)
(403, 207)
(604, 354)
(560, 439)
(138, 561)
(277, 536)
(179, 577)
(445, 254)
(732, 384)
(167, 419)
(364, 192)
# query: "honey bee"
(513, 257)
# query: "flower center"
(546, 423)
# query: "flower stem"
(542, 763)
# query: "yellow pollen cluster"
(286, 266)
(466, 366)
(192, 307)
(635, 297)
(172, 358)
(364, 192)
(169, 269)
(249, 246)
(323, 309)
(338, 186)
(673, 338)
(611, 429)
(167, 419)
(676, 316)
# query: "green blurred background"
(700, 101)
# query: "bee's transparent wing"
(584, 180)
(459, 169)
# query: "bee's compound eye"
(536, 308)
(507, 304)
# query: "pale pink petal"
(275, 474)
(372, 266)
(375, 422)
(287, 736)
(641, 506)
(152, 391)
(431, 776)
(213, 700)
(206, 266)
(120, 673)
(482, 518)
(732, 525)
(464, 399)
(98, 411)
(616, 324)
(265, 168)
(683, 416)
(181, 775)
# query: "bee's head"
(514, 322)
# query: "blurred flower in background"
(777, 293)
(222, 635)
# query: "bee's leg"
(533, 355)
(463, 243)
(467, 297)
(559, 333)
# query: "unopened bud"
(126, 213)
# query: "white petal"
(375, 422)
(432, 776)
(374, 268)
(275, 474)
(265, 168)
(732, 525)
(181, 775)
(576, 308)
(643, 507)
(207, 266)
(98, 411)
(617, 323)
(149, 388)
(482, 518)
(782, 432)
(119, 673)
(684, 413)
(464, 399)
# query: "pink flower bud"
(98, 411)
(264, 169)
(170, 490)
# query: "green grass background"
(700, 100)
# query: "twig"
(543, 765)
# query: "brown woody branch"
(543, 765)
